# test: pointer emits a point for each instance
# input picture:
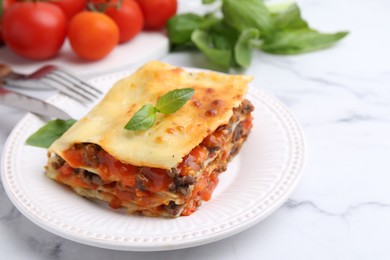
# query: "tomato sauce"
(202, 191)
(66, 176)
(193, 161)
(74, 157)
(111, 169)
(207, 191)
(157, 179)
(115, 203)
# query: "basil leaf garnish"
(174, 100)
(50, 132)
(169, 103)
(143, 119)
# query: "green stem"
(119, 4)
(92, 7)
(278, 8)
(1, 8)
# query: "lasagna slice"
(169, 169)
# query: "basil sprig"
(169, 103)
(50, 132)
(143, 119)
(246, 25)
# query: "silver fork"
(50, 77)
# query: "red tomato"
(128, 17)
(157, 12)
(34, 30)
(6, 4)
(1, 36)
(92, 35)
(70, 7)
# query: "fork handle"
(5, 70)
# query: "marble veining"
(319, 79)
(353, 118)
(48, 249)
(12, 216)
(297, 205)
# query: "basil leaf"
(223, 36)
(169, 103)
(246, 14)
(180, 27)
(50, 132)
(226, 42)
(174, 100)
(300, 41)
(217, 43)
(209, 20)
(289, 19)
(143, 119)
(243, 48)
(293, 35)
(202, 40)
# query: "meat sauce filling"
(138, 184)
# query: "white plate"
(256, 184)
(145, 46)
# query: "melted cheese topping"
(173, 136)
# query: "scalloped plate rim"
(159, 245)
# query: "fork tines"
(72, 86)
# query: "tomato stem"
(118, 4)
(92, 7)
(1, 8)
(102, 7)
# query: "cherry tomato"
(6, 4)
(92, 35)
(1, 37)
(128, 17)
(157, 12)
(70, 7)
(34, 30)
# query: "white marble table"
(341, 208)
